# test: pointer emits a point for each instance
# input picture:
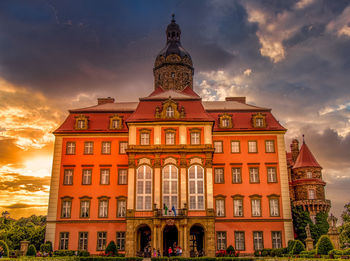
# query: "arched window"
(169, 112)
(196, 187)
(144, 188)
(170, 185)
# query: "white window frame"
(85, 208)
(312, 194)
(170, 112)
(235, 146)
(116, 123)
(145, 138)
(269, 146)
(256, 207)
(64, 240)
(143, 181)
(101, 240)
(272, 174)
(170, 138)
(238, 207)
(103, 208)
(83, 241)
(276, 237)
(220, 207)
(120, 240)
(121, 208)
(221, 240)
(309, 174)
(68, 177)
(123, 145)
(274, 207)
(170, 196)
(240, 240)
(105, 176)
(87, 176)
(66, 208)
(225, 122)
(88, 147)
(254, 175)
(81, 124)
(106, 147)
(258, 240)
(259, 122)
(196, 196)
(252, 146)
(218, 146)
(122, 176)
(195, 138)
(70, 148)
(236, 175)
(219, 175)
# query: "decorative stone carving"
(144, 161)
(170, 160)
(196, 161)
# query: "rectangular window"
(259, 122)
(235, 146)
(254, 175)
(85, 208)
(221, 240)
(258, 240)
(312, 194)
(104, 179)
(269, 146)
(236, 175)
(83, 241)
(220, 207)
(238, 207)
(170, 138)
(103, 208)
(116, 124)
(121, 241)
(309, 175)
(218, 146)
(144, 138)
(66, 208)
(195, 138)
(106, 147)
(256, 207)
(121, 208)
(88, 147)
(239, 240)
(123, 176)
(64, 238)
(70, 148)
(276, 239)
(252, 146)
(219, 175)
(271, 174)
(87, 173)
(101, 240)
(274, 207)
(68, 177)
(123, 145)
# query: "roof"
(109, 107)
(230, 105)
(160, 94)
(305, 158)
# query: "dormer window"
(172, 75)
(170, 112)
(225, 121)
(81, 122)
(259, 120)
(115, 122)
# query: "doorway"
(170, 239)
(144, 239)
(196, 241)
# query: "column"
(209, 181)
(183, 135)
(183, 180)
(131, 185)
(157, 174)
(185, 249)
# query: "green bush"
(290, 246)
(31, 251)
(324, 245)
(277, 252)
(336, 252)
(100, 258)
(346, 252)
(83, 253)
(45, 248)
(63, 253)
(4, 247)
(111, 249)
(297, 248)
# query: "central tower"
(173, 68)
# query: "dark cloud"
(13, 182)
(22, 206)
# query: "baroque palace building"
(172, 168)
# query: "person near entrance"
(170, 252)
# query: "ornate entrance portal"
(196, 241)
(170, 238)
(144, 240)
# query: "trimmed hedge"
(64, 253)
(110, 258)
(5, 248)
(324, 245)
(31, 251)
(202, 259)
(297, 247)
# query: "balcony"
(179, 212)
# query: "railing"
(179, 212)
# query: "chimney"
(236, 99)
(105, 100)
(294, 148)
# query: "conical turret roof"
(305, 158)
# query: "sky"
(292, 56)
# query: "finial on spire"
(303, 138)
(173, 18)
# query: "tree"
(111, 249)
(346, 213)
(300, 219)
(4, 248)
(344, 229)
(31, 250)
(321, 227)
(297, 247)
(324, 245)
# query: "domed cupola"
(173, 68)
